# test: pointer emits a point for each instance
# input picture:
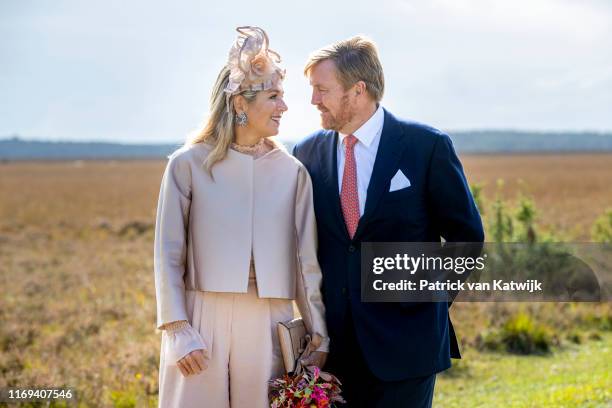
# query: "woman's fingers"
(189, 360)
(316, 341)
(182, 367)
(198, 355)
(317, 358)
(192, 363)
(195, 362)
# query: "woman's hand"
(193, 363)
(185, 345)
(317, 358)
(313, 357)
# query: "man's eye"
(273, 96)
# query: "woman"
(235, 244)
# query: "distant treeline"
(19, 149)
(482, 141)
(508, 141)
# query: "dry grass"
(78, 304)
(570, 191)
(76, 238)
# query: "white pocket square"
(399, 181)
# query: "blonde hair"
(219, 127)
(356, 59)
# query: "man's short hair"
(356, 59)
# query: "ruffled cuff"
(181, 339)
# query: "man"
(377, 178)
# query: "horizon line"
(16, 136)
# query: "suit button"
(344, 291)
(351, 248)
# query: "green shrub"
(478, 197)
(520, 334)
(575, 338)
(508, 224)
(595, 336)
(502, 225)
(525, 213)
(123, 399)
(600, 322)
(489, 340)
(602, 228)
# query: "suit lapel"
(390, 150)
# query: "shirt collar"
(370, 129)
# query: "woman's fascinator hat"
(253, 66)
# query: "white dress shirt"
(368, 136)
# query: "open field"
(578, 376)
(570, 191)
(78, 305)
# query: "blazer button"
(351, 248)
(344, 291)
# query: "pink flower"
(252, 64)
(316, 372)
(312, 388)
(320, 397)
(260, 64)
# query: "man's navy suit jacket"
(398, 341)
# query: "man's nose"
(315, 99)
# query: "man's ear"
(360, 88)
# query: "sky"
(141, 71)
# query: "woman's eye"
(273, 96)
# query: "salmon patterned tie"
(349, 199)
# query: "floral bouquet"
(308, 388)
